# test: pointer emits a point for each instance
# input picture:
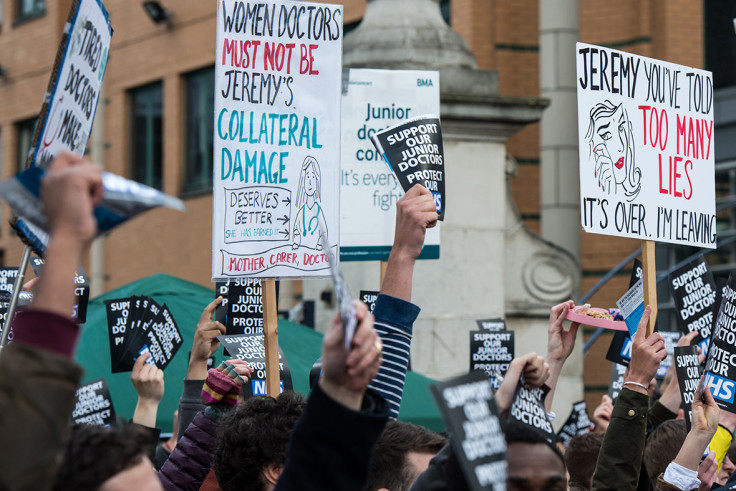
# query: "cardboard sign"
(694, 293)
(244, 307)
(138, 325)
(491, 353)
(616, 383)
(93, 404)
(576, 424)
(277, 138)
(528, 408)
(413, 151)
(688, 369)
(619, 352)
(632, 306)
(249, 347)
(495, 324)
(471, 417)
(720, 369)
(81, 289)
(369, 297)
(373, 100)
(645, 133)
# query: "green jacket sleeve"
(619, 461)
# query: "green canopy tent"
(186, 300)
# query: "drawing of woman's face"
(612, 143)
(310, 181)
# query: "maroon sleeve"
(47, 330)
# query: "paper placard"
(373, 100)
(637, 272)
(471, 417)
(619, 352)
(491, 353)
(81, 289)
(244, 306)
(632, 306)
(616, 384)
(413, 151)
(720, 370)
(249, 347)
(645, 134)
(369, 297)
(688, 369)
(276, 138)
(528, 408)
(694, 294)
(93, 404)
(670, 342)
(578, 423)
(495, 324)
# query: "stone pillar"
(560, 179)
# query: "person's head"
(581, 457)
(728, 465)
(252, 439)
(533, 462)
(662, 447)
(402, 453)
(107, 459)
(611, 140)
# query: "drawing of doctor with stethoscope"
(307, 230)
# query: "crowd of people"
(345, 435)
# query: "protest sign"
(344, 302)
(688, 369)
(670, 342)
(637, 272)
(694, 294)
(7, 279)
(495, 324)
(93, 404)
(645, 132)
(616, 383)
(528, 408)
(373, 100)
(491, 353)
(720, 366)
(632, 306)
(413, 151)
(249, 347)
(576, 424)
(619, 352)
(471, 417)
(276, 138)
(81, 289)
(369, 297)
(244, 306)
(138, 325)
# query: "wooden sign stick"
(650, 281)
(271, 337)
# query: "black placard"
(81, 288)
(491, 353)
(369, 297)
(694, 293)
(637, 273)
(118, 312)
(414, 152)
(93, 404)
(576, 424)
(7, 279)
(471, 416)
(249, 347)
(670, 341)
(616, 383)
(244, 307)
(528, 408)
(620, 349)
(688, 371)
(221, 290)
(495, 324)
(720, 371)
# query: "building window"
(145, 130)
(720, 44)
(24, 130)
(199, 111)
(30, 8)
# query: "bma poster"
(277, 138)
(373, 100)
(645, 130)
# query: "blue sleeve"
(394, 323)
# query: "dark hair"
(389, 468)
(581, 456)
(520, 433)
(662, 447)
(94, 454)
(252, 436)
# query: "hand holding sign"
(205, 341)
(415, 213)
(346, 374)
(535, 371)
(646, 355)
(148, 382)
